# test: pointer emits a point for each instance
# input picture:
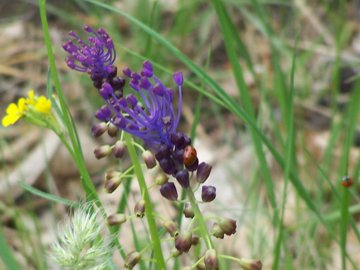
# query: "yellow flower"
(35, 108)
(14, 112)
(43, 105)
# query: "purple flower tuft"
(95, 56)
(153, 118)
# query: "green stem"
(344, 226)
(148, 204)
(200, 219)
(75, 147)
(86, 182)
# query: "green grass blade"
(352, 117)
(290, 150)
(87, 184)
(6, 254)
(226, 25)
(48, 196)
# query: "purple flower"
(95, 57)
(147, 113)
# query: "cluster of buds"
(117, 150)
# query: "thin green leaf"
(289, 162)
(226, 25)
(6, 254)
(48, 196)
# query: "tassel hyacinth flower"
(145, 110)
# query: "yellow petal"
(43, 105)
(21, 105)
(9, 119)
(12, 109)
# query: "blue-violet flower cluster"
(146, 112)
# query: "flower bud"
(161, 179)
(208, 193)
(228, 226)
(195, 240)
(168, 190)
(132, 259)
(210, 260)
(217, 231)
(178, 78)
(200, 266)
(106, 90)
(167, 165)
(183, 178)
(112, 180)
(149, 159)
(188, 212)
(117, 83)
(116, 219)
(139, 208)
(203, 172)
(248, 264)
(163, 152)
(112, 174)
(112, 130)
(102, 151)
(171, 227)
(119, 149)
(98, 129)
(183, 242)
(178, 139)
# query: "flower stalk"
(86, 182)
(200, 219)
(148, 204)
